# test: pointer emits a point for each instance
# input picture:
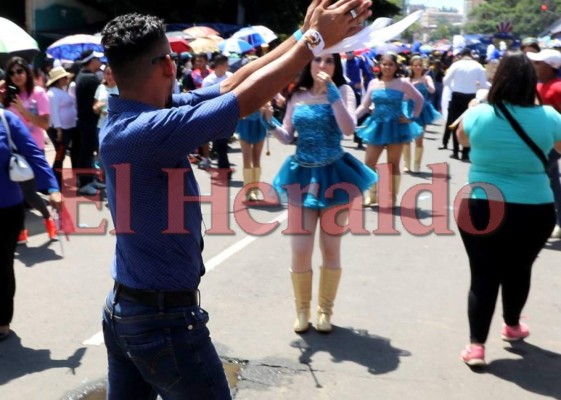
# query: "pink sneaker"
(474, 355)
(515, 333)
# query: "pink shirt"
(37, 103)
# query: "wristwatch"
(314, 41)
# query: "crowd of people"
(106, 114)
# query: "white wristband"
(314, 41)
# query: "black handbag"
(524, 136)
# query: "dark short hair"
(465, 52)
(306, 81)
(530, 42)
(202, 55)
(130, 38)
(515, 81)
(220, 60)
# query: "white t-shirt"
(63, 108)
(212, 79)
(466, 76)
(102, 94)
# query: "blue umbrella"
(425, 49)
(233, 45)
(69, 48)
(383, 48)
(255, 35)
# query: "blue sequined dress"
(251, 129)
(320, 162)
(428, 114)
(382, 127)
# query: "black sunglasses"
(18, 71)
(173, 56)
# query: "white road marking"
(233, 249)
(97, 339)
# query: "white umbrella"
(255, 35)
(233, 45)
(180, 34)
(15, 41)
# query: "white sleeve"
(54, 109)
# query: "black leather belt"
(183, 298)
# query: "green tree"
(526, 16)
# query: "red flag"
(64, 222)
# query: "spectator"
(359, 74)
(505, 224)
(86, 85)
(464, 77)
(220, 146)
(547, 63)
(63, 116)
(30, 103)
(11, 205)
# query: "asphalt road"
(400, 314)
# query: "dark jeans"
(555, 183)
(32, 198)
(88, 146)
(12, 222)
(502, 259)
(160, 351)
(458, 104)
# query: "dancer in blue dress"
(424, 84)
(252, 133)
(387, 127)
(321, 109)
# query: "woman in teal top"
(505, 227)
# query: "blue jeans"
(160, 351)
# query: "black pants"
(75, 142)
(502, 259)
(356, 138)
(458, 104)
(60, 148)
(88, 146)
(553, 173)
(220, 146)
(12, 222)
